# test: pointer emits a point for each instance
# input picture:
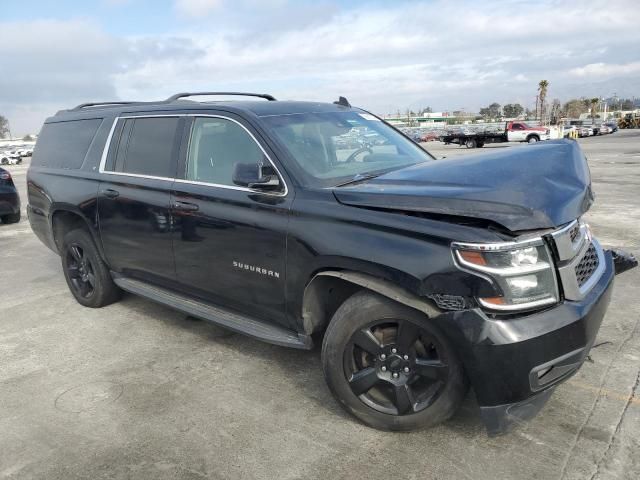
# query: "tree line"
(4, 127)
(572, 108)
(5, 131)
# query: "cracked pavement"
(137, 390)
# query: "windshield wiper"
(360, 177)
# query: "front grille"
(587, 265)
(575, 231)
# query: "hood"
(521, 188)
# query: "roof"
(260, 108)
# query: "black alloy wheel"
(87, 275)
(390, 365)
(80, 271)
(395, 367)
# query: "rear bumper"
(41, 227)
(9, 203)
(514, 364)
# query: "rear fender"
(68, 210)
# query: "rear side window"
(65, 144)
(146, 147)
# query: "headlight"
(523, 271)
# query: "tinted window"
(216, 146)
(149, 147)
(65, 144)
(334, 147)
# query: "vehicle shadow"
(301, 368)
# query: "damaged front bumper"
(515, 363)
(623, 261)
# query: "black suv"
(9, 199)
(292, 220)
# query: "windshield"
(334, 148)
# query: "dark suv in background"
(9, 199)
(284, 221)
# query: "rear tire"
(87, 276)
(471, 143)
(416, 383)
(11, 218)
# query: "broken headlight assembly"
(523, 271)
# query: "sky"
(382, 55)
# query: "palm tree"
(594, 106)
(542, 95)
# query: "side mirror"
(253, 175)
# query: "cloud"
(606, 70)
(47, 60)
(401, 54)
(197, 8)
(382, 56)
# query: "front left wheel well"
(328, 290)
(322, 297)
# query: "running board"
(220, 316)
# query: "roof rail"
(95, 104)
(242, 94)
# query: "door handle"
(111, 193)
(185, 206)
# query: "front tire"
(471, 143)
(86, 274)
(533, 139)
(389, 366)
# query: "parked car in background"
(25, 151)
(584, 132)
(10, 157)
(9, 199)
(604, 129)
(569, 131)
(429, 136)
(613, 125)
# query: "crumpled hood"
(521, 188)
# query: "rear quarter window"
(146, 147)
(65, 144)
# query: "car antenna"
(342, 101)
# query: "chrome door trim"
(105, 152)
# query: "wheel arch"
(533, 135)
(65, 218)
(328, 289)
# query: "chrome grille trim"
(570, 240)
(569, 274)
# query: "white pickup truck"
(513, 132)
